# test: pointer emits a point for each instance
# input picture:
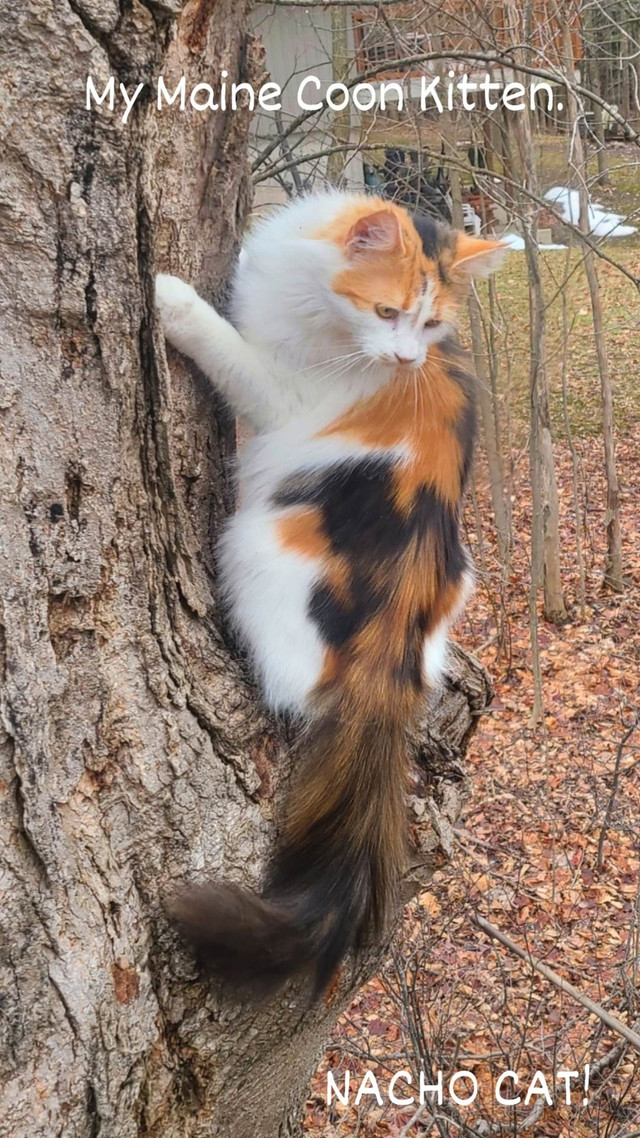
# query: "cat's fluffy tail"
(334, 881)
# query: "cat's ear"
(476, 257)
(377, 232)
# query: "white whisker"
(334, 360)
(335, 372)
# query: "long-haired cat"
(343, 566)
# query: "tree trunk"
(545, 539)
(133, 751)
(340, 120)
(613, 574)
(591, 44)
(492, 440)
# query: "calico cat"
(343, 566)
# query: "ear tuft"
(477, 257)
(377, 232)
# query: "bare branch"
(278, 168)
(614, 790)
(611, 1022)
(499, 58)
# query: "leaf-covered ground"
(548, 848)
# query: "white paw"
(175, 300)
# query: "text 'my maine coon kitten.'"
(343, 567)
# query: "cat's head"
(402, 278)
(354, 279)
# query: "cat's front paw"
(175, 300)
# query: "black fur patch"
(360, 519)
(433, 235)
(410, 669)
(438, 243)
(363, 524)
(355, 499)
(337, 620)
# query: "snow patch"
(602, 223)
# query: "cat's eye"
(385, 312)
(433, 323)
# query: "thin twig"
(414, 1118)
(611, 1022)
(614, 790)
(501, 58)
(279, 167)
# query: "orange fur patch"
(392, 277)
(302, 533)
(421, 412)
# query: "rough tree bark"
(133, 750)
